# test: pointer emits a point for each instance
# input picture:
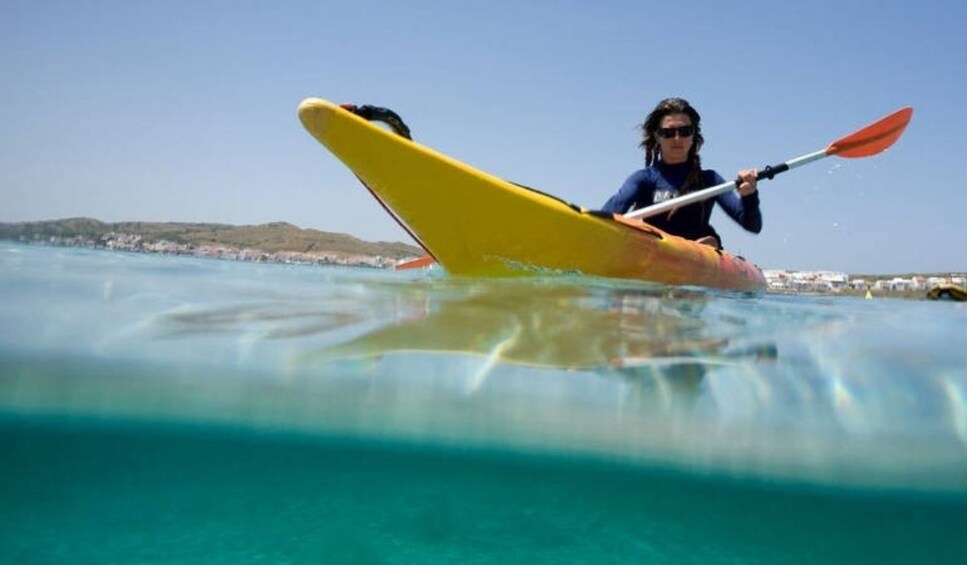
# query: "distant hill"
(270, 238)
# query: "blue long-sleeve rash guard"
(660, 182)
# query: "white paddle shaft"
(706, 193)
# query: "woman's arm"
(625, 198)
(742, 209)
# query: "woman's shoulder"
(642, 175)
(711, 177)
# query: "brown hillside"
(270, 238)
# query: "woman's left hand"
(746, 181)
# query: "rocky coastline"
(267, 243)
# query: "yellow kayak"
(476, 224)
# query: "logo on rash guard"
(663, 195)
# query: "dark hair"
(649, 141)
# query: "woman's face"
(675, 149)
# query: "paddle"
(868, 141)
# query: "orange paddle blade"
(874, 138)
(417, 263)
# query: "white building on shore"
(806, 281)
(831, 281)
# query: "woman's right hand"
(747, 181)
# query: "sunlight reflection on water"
(837, 391)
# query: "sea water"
(174, 409)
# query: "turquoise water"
(169, 409)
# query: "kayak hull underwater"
(476, 224)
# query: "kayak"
(476, 224)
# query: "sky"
(186, 110)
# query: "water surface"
(160, 408)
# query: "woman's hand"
(746, 181)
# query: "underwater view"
(174, 409)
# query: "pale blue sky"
(186, 111)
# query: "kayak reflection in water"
(672, 138)
(655, 340)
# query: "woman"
(672, 139)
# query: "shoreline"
(135, 244)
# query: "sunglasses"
(682, 131)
